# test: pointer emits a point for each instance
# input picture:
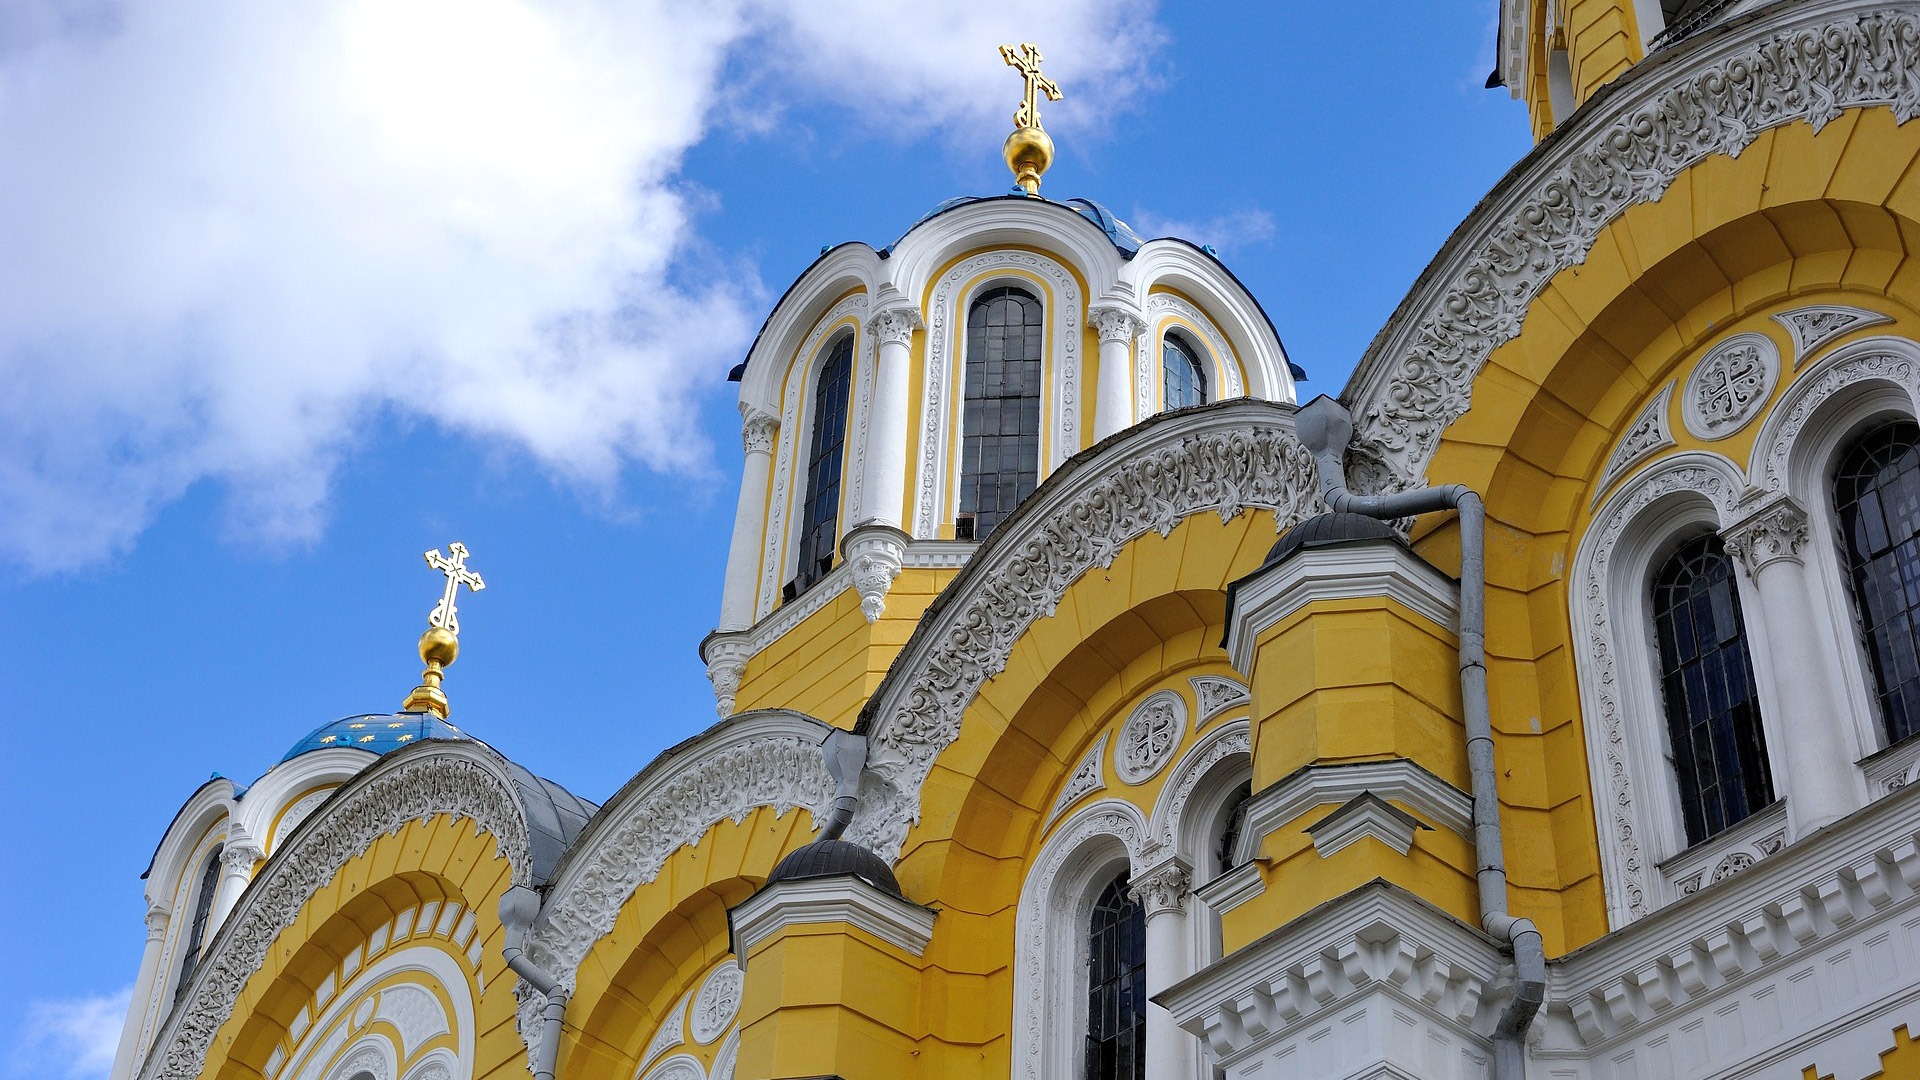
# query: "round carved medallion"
(716, 1004)
(1730, 385)
(1150, 736)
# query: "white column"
(1812, 736)
(143, 991)
(883, 488)
(738, 596)
(236, 869)
(1163, 892)
(1118, 326)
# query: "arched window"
(1876, 496)
(1000, 421)
(820, 515)
(1232, 822)
(1713, 709)
(1117, 986)
(197, 930)
(1183, 381)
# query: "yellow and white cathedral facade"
(1547, 704)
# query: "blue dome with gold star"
(376, 732)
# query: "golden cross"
(444, 616)
(1026, 60)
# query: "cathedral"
(1545, 704)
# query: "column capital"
(757, 430)
(895, 325)
(240, 854)
(1775, 531)
(1165, 887)
(158, 915)
(1116, 322)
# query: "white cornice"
(1365, 815)
(1399, 780)
(1363, 568)
(844, 899)
(1233, 887)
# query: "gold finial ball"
(439, 646)
(1028, 152)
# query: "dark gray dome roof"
(1328, 530)
(836, 858)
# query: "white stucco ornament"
(717, 1003)
(1151, 735)
(1729, 386)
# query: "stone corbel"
(1776, 531)
(874, 553)
(726, 657)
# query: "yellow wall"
(1798, 218)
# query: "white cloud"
(74, 1038)
(236, 236)
(1226, 232)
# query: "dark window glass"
(1000, 413)
(1876, 497)
(1183, 380)
(1236, 820)
(1713, 710)
(820, 515)
(1117, 986)
(197, 931)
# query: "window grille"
(1000, 417)
(197, 930)
(1876, 496)
(820, 514)
(1117, 986)
(1183, 381)
(1706, 674)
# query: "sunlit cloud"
(74, 1038)
(240, 237)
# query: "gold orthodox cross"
(444, 615)
(1026, 60)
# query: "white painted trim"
(1365, 815)
(1649, 434)
(1398, 779)
(1363, 568)
(672, 1032)
(1235, 887)
(1728, 852)
(1223, 366)
(845, 899)
(439, 966)
(678, 1067)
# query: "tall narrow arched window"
(1713, 709)
(1183, 381)
(1117, 986)
(1876, 496)
(197, 929)
(820, 514)
(1000, 421)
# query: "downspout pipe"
(846, 757)
(518, 908)
(1325, 428)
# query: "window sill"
(1721, 856)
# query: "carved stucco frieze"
(1828, 58)
(781, 772)
(1086, 778)
(414, 791)
(717, 1003)
(1812, 327)
(1215, 696)
(1012, 584)
(1730, 385)
(1648, 435)
(1775, 532)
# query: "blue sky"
(291, 297)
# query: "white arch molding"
(1062, 308)
(1164, 312)
(401, 992)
